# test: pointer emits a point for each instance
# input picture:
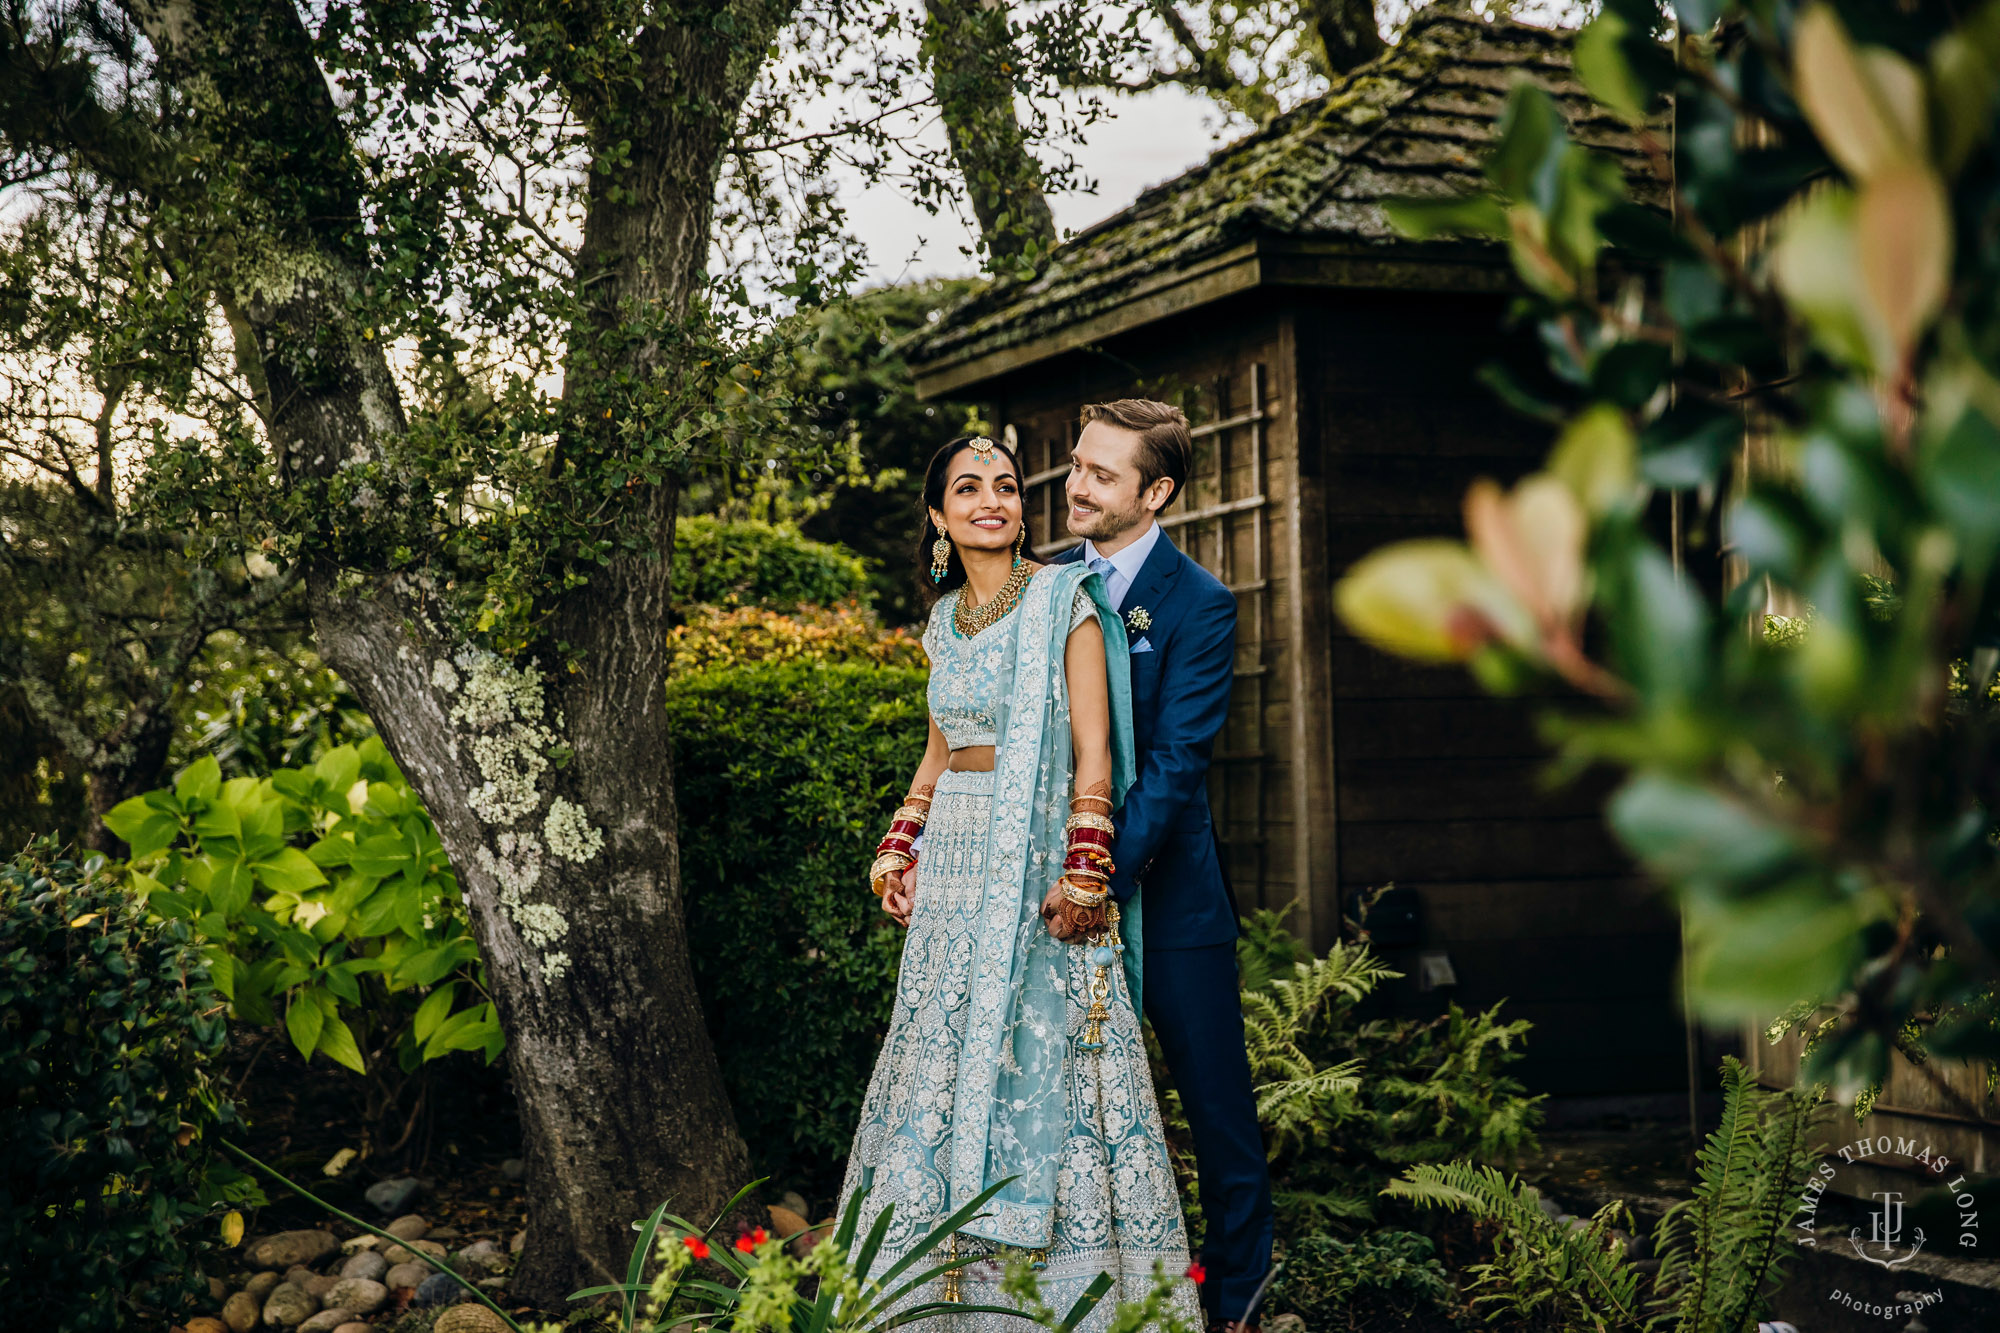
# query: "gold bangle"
(1074, 799)
(911, 813)
(1081, 896)
(1082, 819)
(885, 865)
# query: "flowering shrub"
(717, 636)
(324, 902)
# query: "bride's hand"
(1068, 922)
(901, 899)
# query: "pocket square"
(1145, 645)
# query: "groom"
(1129, 463)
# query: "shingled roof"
(1417, 120)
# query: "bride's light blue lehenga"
(980, 1079)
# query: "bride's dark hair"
(934, 479)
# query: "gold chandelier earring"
(940, 558)
(1020, 539)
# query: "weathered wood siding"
(1438, 785)
(1240, 517)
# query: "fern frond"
(1580, 1274)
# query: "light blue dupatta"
(1010, 1113)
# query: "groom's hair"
(1165, 447)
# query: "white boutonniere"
(1139, 618)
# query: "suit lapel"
(1156, 577)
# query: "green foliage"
(713, 637)
(835, 1288)
(265, 702)
(108, 1024)
(1375, 1281)
(1719, 1251)
(760, 564)
(784, 773)
(1805, 353)
(325, 903)
(1347, 1102)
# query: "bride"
(1014, 1052)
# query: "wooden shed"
(1329, 366)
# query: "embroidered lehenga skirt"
(1115, 1208)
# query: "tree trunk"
(570, 871)
(970, 52)
(1347, 33)
(127, 763)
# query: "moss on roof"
(1417, 120)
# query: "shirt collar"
(1131, 559)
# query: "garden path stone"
(262, 1285)
(410, 1226)
(218, 1290)
(363, 1242)
(319, 1284)
(402, 1254)
(365, 1264)
(326, 1321)
(437, 1289)
(356, 1327)
(297, 1274)
(392, 1196)
(288, 1306)
(363, 1295)
(473, 1260)
(291, 1247)
(410, 1274)
(241, 1311)
(469, 1318)
(205, 1324)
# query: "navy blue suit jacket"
(1180, 696)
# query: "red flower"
(696, 1246)
(1196, 1273)
(753, 1240)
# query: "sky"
(1149, 138)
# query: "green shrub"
(1347, 1103)
(1377, 1280)
(750, 563)
(108, 1021)
(326, 904)
(786, 774)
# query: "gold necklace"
(968, 622)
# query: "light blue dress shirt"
(1122, 569)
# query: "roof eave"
(1264, 261)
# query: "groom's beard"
(1103, 525)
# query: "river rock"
(513, 1168)
(796, 1202)
(242, 1311)
(446, 1232)
(298, 1274)
(410, 1226)
(409, 1250)
(393, 1196)
(363, 1295)
(291, 1247)
(204, 1324)
(520, 1239)
(288, 1306)
(365, 1264)
(356, 1327)
(261, 1286)
(327, 1320)
(218, 1290)
(437, 1289)
(365, 1241)
(407, 1275)
(469, 1318)
(481, 1258)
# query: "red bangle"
(1096, 836)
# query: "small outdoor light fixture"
(1434, 970)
